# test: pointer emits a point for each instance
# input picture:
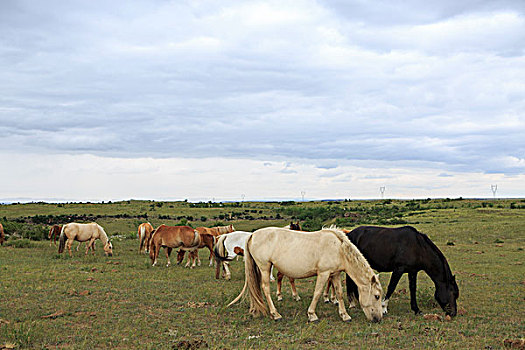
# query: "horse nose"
(376, 319)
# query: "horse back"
(177, 236)
(387, 248)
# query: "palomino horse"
(144, 233)
(323, 253)
(207, 241)
(405, 250)
(228, 247)
(295, 227)
(54, 233)
(170, 237)
(2, 235)
(84, 233)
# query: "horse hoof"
(326, 301)
(278, 318)
(279, 298)
(347, 319)
(297, 298)
(314, 321)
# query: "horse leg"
(265, 284)
(394, 280)
(194, 257)
(352, 292)
(188, 262)
(335, 281)
(218, 265)
(295, 295)
(69, 243)
(271, 274)
(198, 258)
(227, 274)
(330, 288)
(168, 252)
(211, 255)
(279, 285)
(319, 286)
(412, 283)
(155, 254)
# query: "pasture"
(52, 301)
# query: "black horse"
(405, 250)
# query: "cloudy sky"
(203, 100)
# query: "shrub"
(20, 243)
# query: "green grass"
(122, 302)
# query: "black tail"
(62, 240)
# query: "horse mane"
(350, 249)
(436, 250)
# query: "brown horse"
(170, 237)
(217, 230)
(2, 235)
(144, 234)
(207, 241)
(54, 233)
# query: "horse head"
(108, 249)
(446, 295)
(370, 299)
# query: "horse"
(229, 246)
(84, 233)
(171, 237)
(2, 235)
(323, 253)
(54, 231)
(144, 234)
(207, 241)
(405, 250)
(217, 230)
(295, 227)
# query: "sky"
(261, 100)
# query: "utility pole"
(302, 195)
(382, 190)
(494, 189)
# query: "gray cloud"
(437, 85)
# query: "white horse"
(324, 254)
(84, 233)
(227, 247)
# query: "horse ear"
(374, 279)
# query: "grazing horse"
(2, 235)
(405, 250)
(295, 227)
(54, 232)
(84, 233)
(323, 253)
(170, 237)
(144, 234)
(217, 230)
(207, 241)
(229, 246)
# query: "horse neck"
(436, 266)
(358, 268)
(103, 236)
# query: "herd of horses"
(297, 254)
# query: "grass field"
(51, 301)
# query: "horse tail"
(253, 283)
(62, 240)
(220, 250)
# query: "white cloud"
(433, 86)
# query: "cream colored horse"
(84, 233)
(324, 254)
